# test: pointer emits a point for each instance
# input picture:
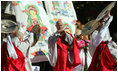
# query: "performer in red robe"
(63, 50)
(101, 49)
(102, 59)
(12, 59)
(10, 64)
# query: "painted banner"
(29, 13)
(61, 11)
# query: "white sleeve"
(103, 31)
(27, 42)
(52, 46)
(30, 38)
(53, 39)
(69, 39)
(113, 49)
(10, 48)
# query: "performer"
(83, 53)
(23, 43)
(12, 59)
(14, 55)
(63, 50)
(104, 55)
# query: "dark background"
(85, 11)
(89, 10)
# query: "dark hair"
(78, 36)
(58, 22)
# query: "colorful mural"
(34, 18)
(28, 14)
(55, 6)
(65, 9)
(67, 27)
(15, 3)
(61, 11)
(44, 33)
(37, 53)
(54, 20)
(40, 3)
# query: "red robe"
(102, 59)
(10, 64)
(63, 63)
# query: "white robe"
(81, 66)
(24, 48)
(53, 47)
(102, 35)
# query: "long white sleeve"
(103, 31)
(23, 46)
(53, 49)
(10, 48)
(69, 39)
(97, 37)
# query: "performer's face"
(80, 37)
(59, 25)
(19, 35)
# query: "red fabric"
(85, 64)
(102, 59)
(30, 28)
(10, 64)
(62, 58)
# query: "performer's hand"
(106, 17)
(61, 31)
